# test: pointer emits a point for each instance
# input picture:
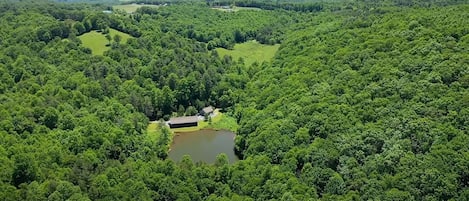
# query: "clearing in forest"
(97, 41)
(202, 124)
(251, 52)
(153, 131)
(131, 8)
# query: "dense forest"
(363, 101)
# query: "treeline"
(95, 21)
(313, 6)
(308, 5)
(170, 73)
(68, 19)
(367, 107)
(71, 122)
(272, 5)
(217, 28)
(355, 106)
(413, 3)
(68, 118)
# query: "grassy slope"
(130, 8)
(97, 42)
(251, 51)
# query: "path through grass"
(250, 51)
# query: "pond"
(203, 145)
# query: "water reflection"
(203, 145)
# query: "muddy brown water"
(203, 145)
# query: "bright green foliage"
(221, 29)
(366, 101)
(381, 99)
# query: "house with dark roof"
(179, 122)
(206, 110)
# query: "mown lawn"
(97, 41)
(251, 52)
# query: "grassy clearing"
(219, 122)
(131, 8)
(225, 122)
(202, 124)
(124, 36)
(251, 52)
(97, 41)
(153, 131)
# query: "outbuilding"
(206, 111)
(179, 122)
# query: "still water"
(203, 145)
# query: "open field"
(130, 8)
(251, 52)
(97, 42)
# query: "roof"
(208, 109)
(183, 120)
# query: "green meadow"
(251, 52)
(97, 41)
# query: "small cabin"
(206, 111)
(179, 122)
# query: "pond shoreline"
(203, 145)
(202, 123)
(220, 122)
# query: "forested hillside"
(364, 101)
(374, 106)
